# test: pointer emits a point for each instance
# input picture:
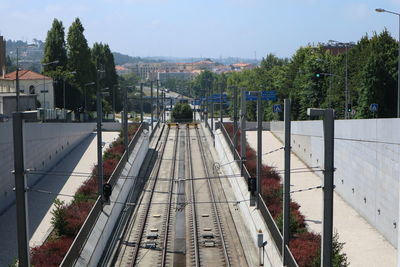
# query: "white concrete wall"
(100, 235)
(45, 144)
(367, 156)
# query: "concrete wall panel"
(367, 154)
(44, 146)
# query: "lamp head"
(380, 10)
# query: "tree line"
(79, 69)
(316, 77)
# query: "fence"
(83, 234)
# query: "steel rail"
(125, 222)
(202, 152)
(171, 187)
(193, 202)
(142, 228)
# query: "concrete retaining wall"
(104, 226)
(45, 145)
(367, 156)
(250, 215)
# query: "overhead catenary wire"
(86, 175)
(142, 203)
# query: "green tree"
(379, 76)
(182, 113)
(103, 60)
(79, 60)
(55, 50)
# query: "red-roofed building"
(30, 83)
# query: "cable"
(272, 151)
(306, 189)
(144, 203)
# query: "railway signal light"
(349, 108)
(107, 189)
(252, 185)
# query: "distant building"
(30, 83)
(184, 76)
(8, 103)
(2, 56)
(337, 48)
(121, 70)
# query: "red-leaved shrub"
(108, 168)
(305, 248)
(50, 253)
(75, 216)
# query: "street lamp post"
(398, 60)
(84, 94)
(72, 72)
(44, 87)
(346, 90)
(100, 181)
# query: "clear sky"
(207, 28)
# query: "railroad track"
(181, 218)
(148, 232)
(207, 234)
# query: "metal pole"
(114, 100)
(99, 146)
(157, 103)
(126, 140)
(327, 223)
(17, 84)
(206, 109)
(20, 191)
(44, 99)
(64, 94)
(398, 75)
(141, 102)
(286, 188)
(259, 146)
(235, 118)
(212, 109)
(346, 92)
(243, 130)
(151, 104)
(163, 104)
(220, 104)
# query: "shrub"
(50, 253)
(108, 168)
(58, 219)
(114, 152)
(88, 191)
(305, 248)
(76, 214)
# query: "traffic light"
(107, 189)
(317, 75)
(349, 108)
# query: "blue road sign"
(277, 108)
(197, 102)
(374, 107)
(265, 95)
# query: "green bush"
(58, 219)
(182, 113)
